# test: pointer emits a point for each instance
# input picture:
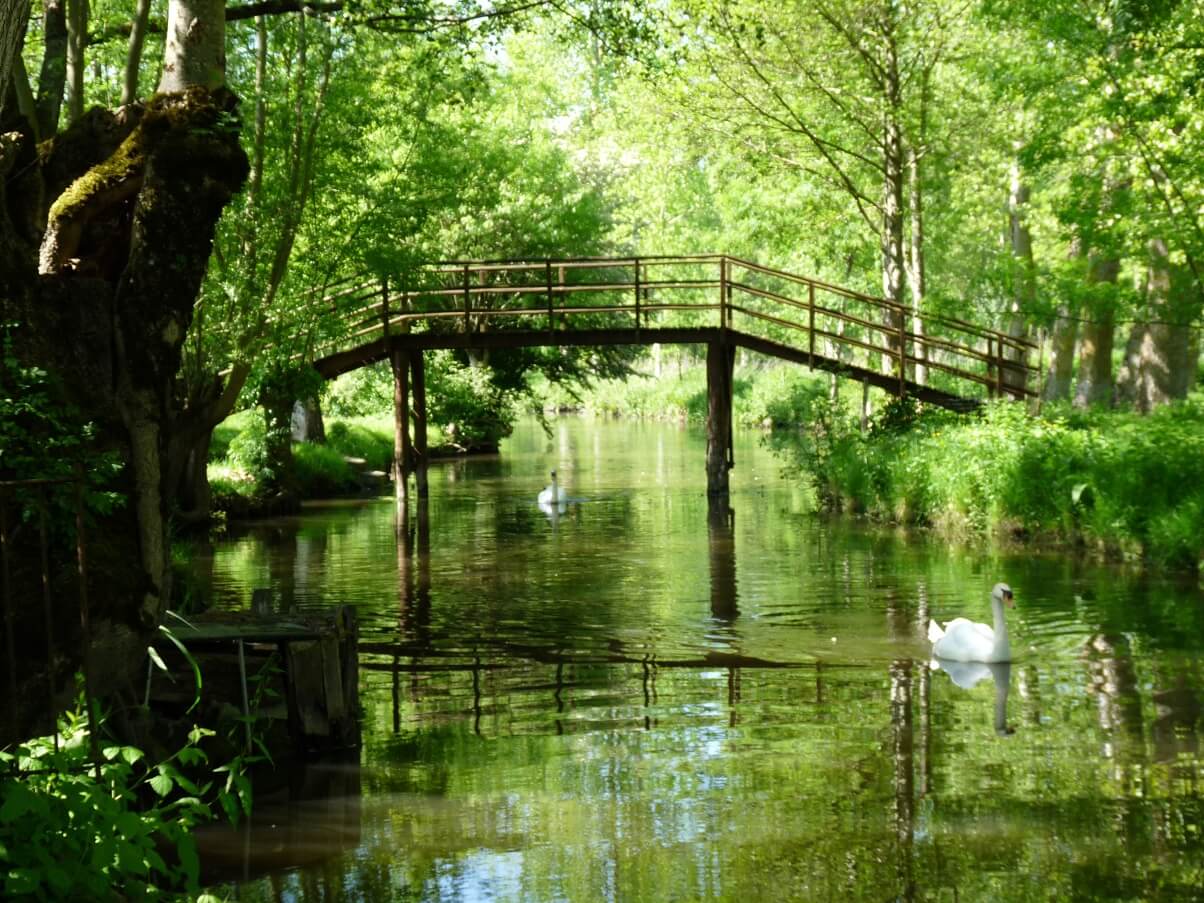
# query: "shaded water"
(639, 699)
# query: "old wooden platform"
(296, 672)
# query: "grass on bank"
(1130, 485)
(237, 458)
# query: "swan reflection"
(968, 674)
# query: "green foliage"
(769, 397)
(681, 396)
(66, 834)
(782, 396)
(369, 439)
(472, 412)
(39, 436)
(1131, 484)
(247, 451)
(360, 393)
(322, 471)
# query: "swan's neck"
(555, 493)
(1002, 647)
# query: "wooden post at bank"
(720, 361)
(400, 360)
(418, 385)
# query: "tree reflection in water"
(677, 708)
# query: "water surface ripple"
(644, 698)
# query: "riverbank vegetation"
(93, 818)
(1122, 484)
(177, 225)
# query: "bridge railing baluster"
(467, 302)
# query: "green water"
(639, 699)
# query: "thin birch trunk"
(53, 74)
(133, 59)
(893, 254)
(1024, 287)
(77, 40)
(915, 272)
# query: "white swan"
(552, 495)
(966, 641)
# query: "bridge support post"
(720, 361)
(400, 360)
(418, 384)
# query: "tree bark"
(1095, 350)
(1158, 350)
(893, 254)
(14, 16)
(77, 40)
(1062, 341)
(137, 195)
(195, 52)
(1024, 285)
(133, 60)
(915, 271)
(53, 75)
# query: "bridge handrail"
(384, 305)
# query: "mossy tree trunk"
(102, 287)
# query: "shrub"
(322, 471)
(367, 438)
(67, 834)
(1125, 482)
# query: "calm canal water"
(639, 699)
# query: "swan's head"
(553, 474)
(1003, 593)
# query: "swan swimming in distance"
(552, 495)
(965, 641)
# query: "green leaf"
(161, 784)
(196, 669)
(156, 658)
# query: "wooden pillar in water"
(720, 532)
(400, 360)
(720, 358)
(418, 385)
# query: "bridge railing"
(826, 322)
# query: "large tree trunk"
(1062, 339)
(1158, 350)
(196, 46)
(1095, 350)
(14, 16)
(104, 308)
(1061, 355)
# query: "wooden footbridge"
(717, 300)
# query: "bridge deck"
(695, 299)
(380, 349)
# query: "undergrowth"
(1131, 485)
